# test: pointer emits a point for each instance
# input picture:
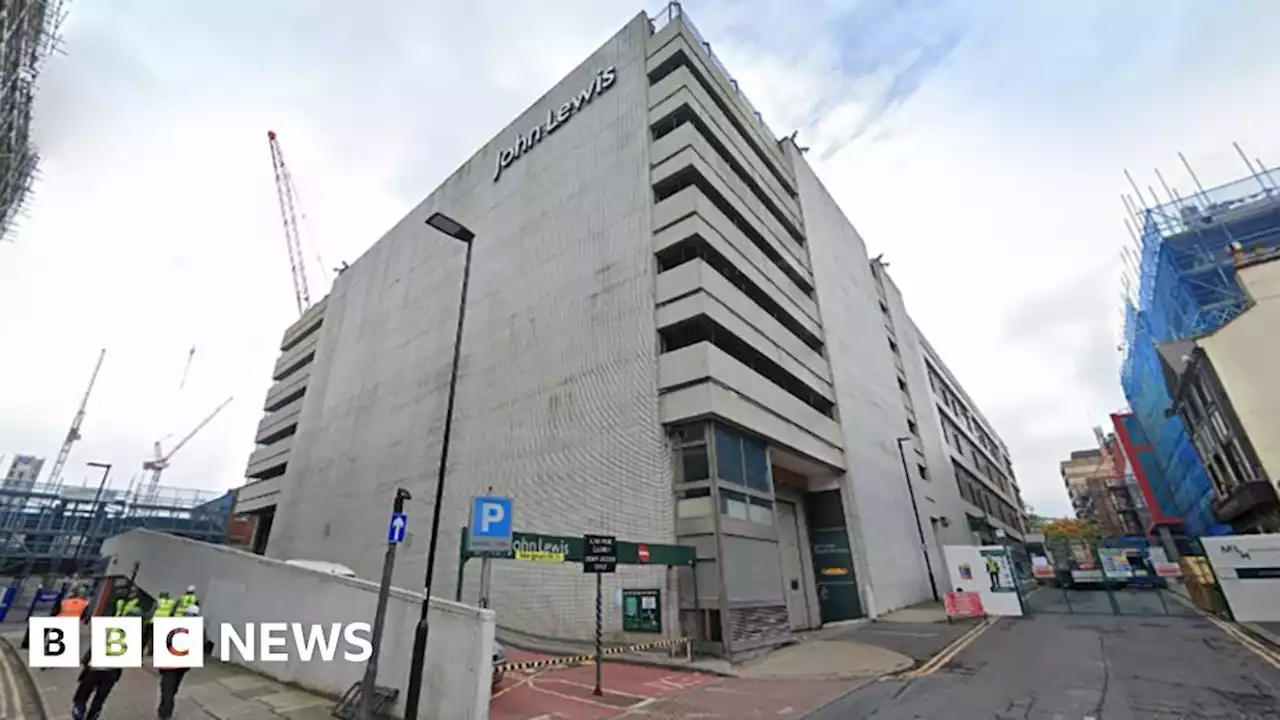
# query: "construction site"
(28, 35)
(1180, 283)
(52, 529)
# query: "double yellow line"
(942, 658)
(1247, 640)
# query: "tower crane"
(55, 475)
(288, 199)
(160, 462)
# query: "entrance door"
(792, 566)
(832, 557)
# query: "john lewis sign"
(555, 118)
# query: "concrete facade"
(673, 335)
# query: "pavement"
(213, 692)
(1058, 666)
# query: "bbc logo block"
(116, 642)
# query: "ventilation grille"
(749, 625)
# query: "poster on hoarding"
(1114, 563)
(1040, 567)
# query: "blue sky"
(979, 145)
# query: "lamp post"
(93, 511)
(915, 510)
(457, 231)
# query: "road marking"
(947, 653)
(1234, 633)
(1253, 645)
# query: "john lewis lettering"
(555, 118)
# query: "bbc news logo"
(117, 642)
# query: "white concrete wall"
(1244, 354)
(878, 507)
(938, 496)
(237, 587)
(557, 402)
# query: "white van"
(323, 566)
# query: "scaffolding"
(59, 530)
(1186, 287)
(28, 35)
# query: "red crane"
(288, 195)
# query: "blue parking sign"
(491, 524)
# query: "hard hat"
(191, 588)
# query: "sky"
(979, 146)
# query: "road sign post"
(599, 556)
(396, 529)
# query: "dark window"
(902, 385)
(690, 177)
(704, 329)
(755, 461)
(893, 346)
(915, 429)
(696, 248)
(729, 456)
(694, 464)
(884, 307)
(924, 472)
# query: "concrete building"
(673, 335)
(23, 471)
(1224, 389)
(1103, 492)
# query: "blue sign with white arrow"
(491, 524)
(395, 531)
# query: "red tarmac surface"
(632, 691)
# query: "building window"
(924, 473)
(760, 511)
(902, 384)
(915, 429)
(694, 503)
(893, 346)
(694, 464)
(734, 505)
(741, 460)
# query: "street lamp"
(93, 511)
(915, 510)
(457, 231)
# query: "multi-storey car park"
(673, 335)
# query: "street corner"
(566, 692)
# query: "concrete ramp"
(238, 588)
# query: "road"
(18, 700)
(1077, 667)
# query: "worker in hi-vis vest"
(171, 678)
(75, 605)
(188, 599)
(125, 605)
(164, 608)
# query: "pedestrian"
(164, 608)
(125, 605)
(171, 678)
(94, 685)
(188, 599)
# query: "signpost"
(396, 527)
(600, 555)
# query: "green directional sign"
(537, 547)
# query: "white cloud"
(989, 175)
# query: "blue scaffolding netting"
(1186, 288)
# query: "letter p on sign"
(491, 524)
